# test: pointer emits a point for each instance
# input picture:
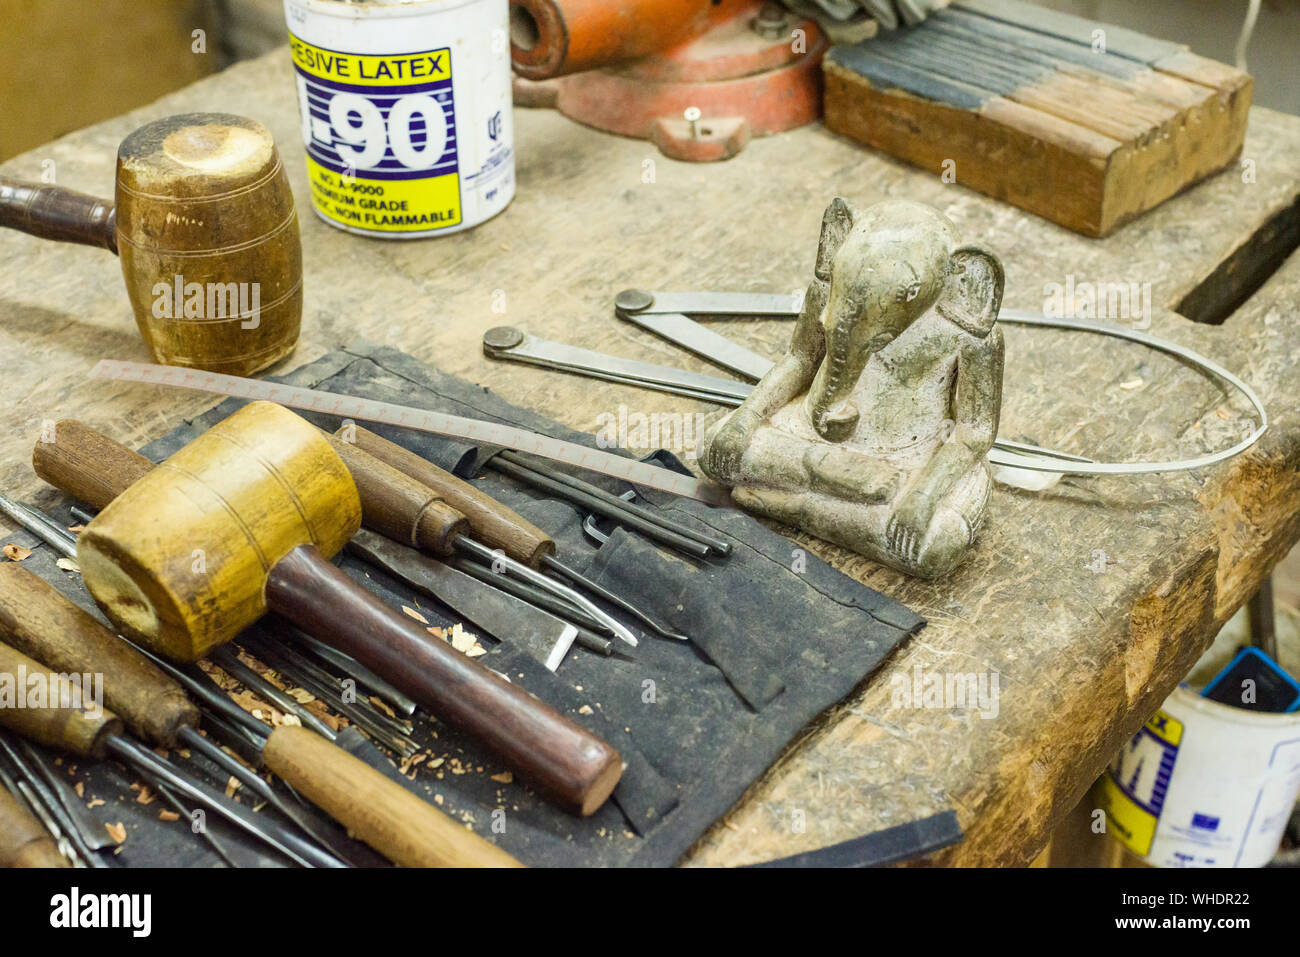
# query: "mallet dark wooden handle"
(53, 212)
(565, 761)
(494, 524)
(23, 841)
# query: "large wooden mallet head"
(180, 560)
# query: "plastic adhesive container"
(406, 112)
(1204, 784)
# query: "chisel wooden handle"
(66, 728)
(392, 820)
(494, 524)
(86, 464)
(398, 507)
(23, 841)
(37, 620)
(53, 212)
(565, 761)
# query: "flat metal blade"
(507, 618)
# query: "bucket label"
(381, 140)
(1133, 789)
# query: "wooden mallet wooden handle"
(494, 524)
(563, 760)
(385, 815)
(24, 842)
(52, 212)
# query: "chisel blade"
(540, 633)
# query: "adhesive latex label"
(381, 138)
(1132, 791)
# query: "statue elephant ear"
(972, 293)
(836, 223)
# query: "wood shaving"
(168, 816)
(80, 788)
(505, 777)
(585, 709)
(232, 786)
(68, 565)
(145, 796)
(16, 553)
(94, 804)
(117, 832)
(1132, 384)
(416, 615)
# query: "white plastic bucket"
(1204, 784)
(406, 112)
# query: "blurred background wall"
(65, 64)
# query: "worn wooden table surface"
(1088, 601)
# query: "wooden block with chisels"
(1085, 124)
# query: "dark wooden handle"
(566, 762)
(87, 465)
(397, 506)
(82, 732)
(408, 831)
(494, 524)
(53, 212)
(36, 619)
(23, 841)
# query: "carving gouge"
(398, 504)
(100, 735)
(499, 527)
(24, 841)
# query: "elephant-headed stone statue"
(872, 430)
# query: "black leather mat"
(779, 636)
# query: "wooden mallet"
(240, 522)
(205, 226)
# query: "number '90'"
(358, 133)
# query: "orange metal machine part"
(635, 67)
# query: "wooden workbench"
(1090, 600)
